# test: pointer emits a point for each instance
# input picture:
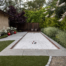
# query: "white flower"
(60, 19)
(53, 15)
(46, 9)
(15, 28)
(53, 9)
(62, 4)
(58, 3)
(5, 31)
(8, 28)
(63, 15)
(45, 12)
(7, 8)
(47, 15)
(11, 28)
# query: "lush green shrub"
(35, 16)
(63, 24)
(50, 22)
(51, 31)
(42, 29)
(61, 37)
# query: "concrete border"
(17, 41)
(57, 44)
(49, 61)
(50, 41)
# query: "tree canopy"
(35, 4)
(16, 17)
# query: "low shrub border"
(59, 37)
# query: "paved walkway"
(30, 52)
(14, 36)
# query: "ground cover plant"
(23, 60)
(61, 37)
(4, 44)
(4, 36)
(51, 31)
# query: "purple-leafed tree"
(16, 17)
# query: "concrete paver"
(56, 52)
(11, 52)
(35, 52)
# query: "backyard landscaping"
(7, 32)
(56, 34)
(23, 60)
(4, 44)
(32, 48)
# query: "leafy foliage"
(35, 16)
(50, 31)
(15, 16)
(61, 37)
(35, 4)
(56, 34)
(50, 22)
(63, 24)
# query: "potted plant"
(15, 30)
(8, 33)
(12, 30)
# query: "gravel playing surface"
(34, 41)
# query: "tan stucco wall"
(3, 21)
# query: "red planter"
(9, 34)
(14, 32)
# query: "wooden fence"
(27, 26)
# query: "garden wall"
(3, 20)
(26, 26)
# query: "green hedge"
(50, 31)
(61, 37)
(50, 22)
(56, 34)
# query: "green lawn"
(23, 60)
(4, 44)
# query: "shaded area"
(26, 26)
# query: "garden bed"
(56, 34)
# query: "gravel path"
(58, 61)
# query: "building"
(4, 21)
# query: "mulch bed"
(58, 61)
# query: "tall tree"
(16, 17)
(35, 4)
(6, 3)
